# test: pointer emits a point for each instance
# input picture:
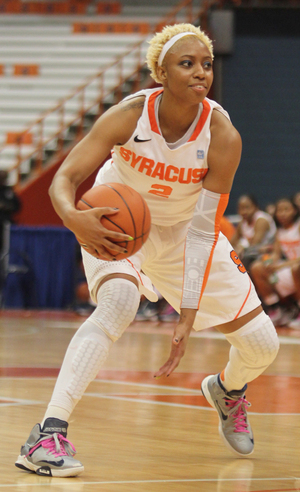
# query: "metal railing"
(70, 125)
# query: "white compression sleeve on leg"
(118, 301)
(253, 349)
(85, 355)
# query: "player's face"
(246, 208)
(188, 71)
(297, 200)
(285, 213)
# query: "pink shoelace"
(239, 415)
(55, 445)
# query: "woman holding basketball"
(180, 151)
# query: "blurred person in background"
(270, 209)
(277, 276)
(255, 232)
(296, 200)
(9, 205)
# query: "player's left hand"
(179, 342)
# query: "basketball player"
(180, 151)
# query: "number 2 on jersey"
(161, 190)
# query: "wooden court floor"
(136, 434)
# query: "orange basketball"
(133, 217)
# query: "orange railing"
(53, 143)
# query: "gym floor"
(134, 433)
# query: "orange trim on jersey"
(223, 202)
(137, 272)
(202, 120)
(246, 298)
(151, 111)
(153, 122)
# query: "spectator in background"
(9, 205)
(277, 276)
(270, 209)
(296, 200)
(255, 233)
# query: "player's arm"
(223, 160)
(261, 228)
(274, 259)
(114, 127)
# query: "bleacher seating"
(42, 66)
(44, 57)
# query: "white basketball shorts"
(229, 292)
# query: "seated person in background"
(255, 233)
(277, 276)
(9, 205)
(296, 200)
(270, 209)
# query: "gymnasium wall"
(260, 90)
(37, 208)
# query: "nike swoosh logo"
(55, 463)
(136, 139)
(224, 417)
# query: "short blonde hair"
(160, 39)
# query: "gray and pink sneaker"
(48, 452)
(231, 406)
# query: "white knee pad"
(253, 348)
(118, 301)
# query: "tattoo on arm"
(133, 105)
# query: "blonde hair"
(160, 39)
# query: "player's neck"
(176, 122)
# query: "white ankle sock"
(57, 413)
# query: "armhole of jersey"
(222, 111)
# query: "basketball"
(133, 217)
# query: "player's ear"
(161, 73)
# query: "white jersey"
(289, 240)
(168, 176)
(248, 230)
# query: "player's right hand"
(93, 236)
